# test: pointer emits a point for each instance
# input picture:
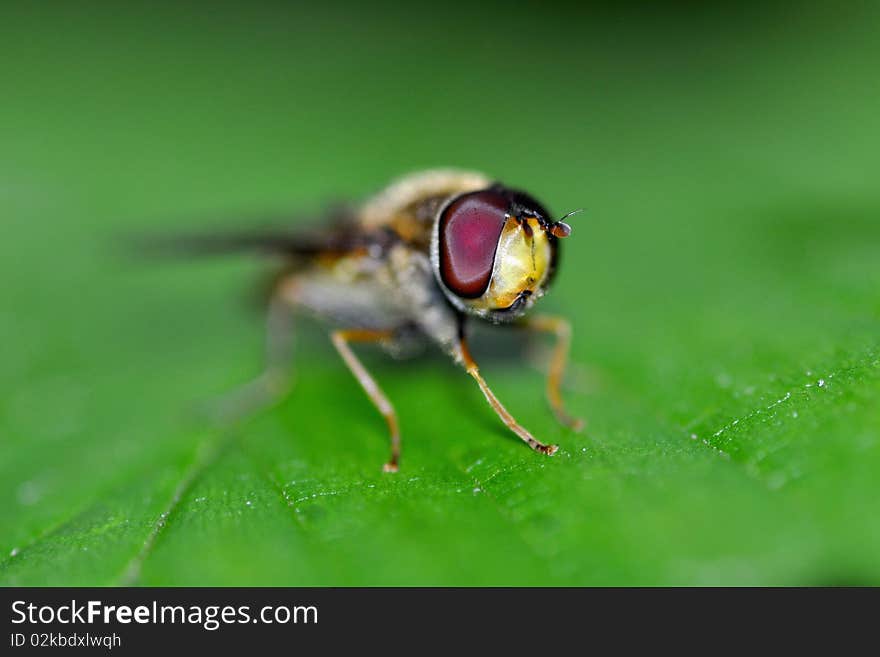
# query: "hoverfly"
(414, 263)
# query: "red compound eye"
(469, 231)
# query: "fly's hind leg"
(340, 341)
(276, 379)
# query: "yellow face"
(522, 263)
(493, 252)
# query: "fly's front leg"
(471, 367)
(561, 328)
(374, 392)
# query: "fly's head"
(494, 252)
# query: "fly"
(416, 262)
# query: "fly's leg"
(340, 341)
(561, 328)
(471, 367)
(276, 379)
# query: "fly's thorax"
(493, 252)
(404, 194)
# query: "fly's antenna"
(570, 214)
(559, 228)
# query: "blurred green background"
(722, 282)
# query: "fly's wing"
(338, 233)
(403, 212)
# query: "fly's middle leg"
(374, 392)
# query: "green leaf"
(722, 284)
